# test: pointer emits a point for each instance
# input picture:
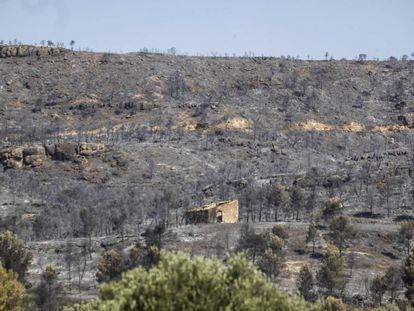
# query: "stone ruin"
(218, 212)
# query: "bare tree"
(69, 258)
(377, 289)
(393, 281)
(362, 57)
(81, 264)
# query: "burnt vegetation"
(105, 146)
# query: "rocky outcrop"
(20, 156)
(28, 50)
(36, 155)
(379, 156)
(89, 149)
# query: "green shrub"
(179, 282)
(333, 304)
(330, 276)
(14, 255)
(11, 291)
(110, 266)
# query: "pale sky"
(344, 28)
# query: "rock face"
(36, 155)
(27, 50)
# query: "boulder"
(34, 160)
(34, 150)
(34, 156)
(3, 51)
(17, 153)
(12, 152)
(50, 150)
(12, 51)
(23, 50)
(12, 157)
(12, 163)
(65, 152)
(90, 149)
(42, 51)
(54, 51)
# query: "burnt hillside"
(97, 145)
(212, 121)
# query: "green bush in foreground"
(11, 291)
(179, 282)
